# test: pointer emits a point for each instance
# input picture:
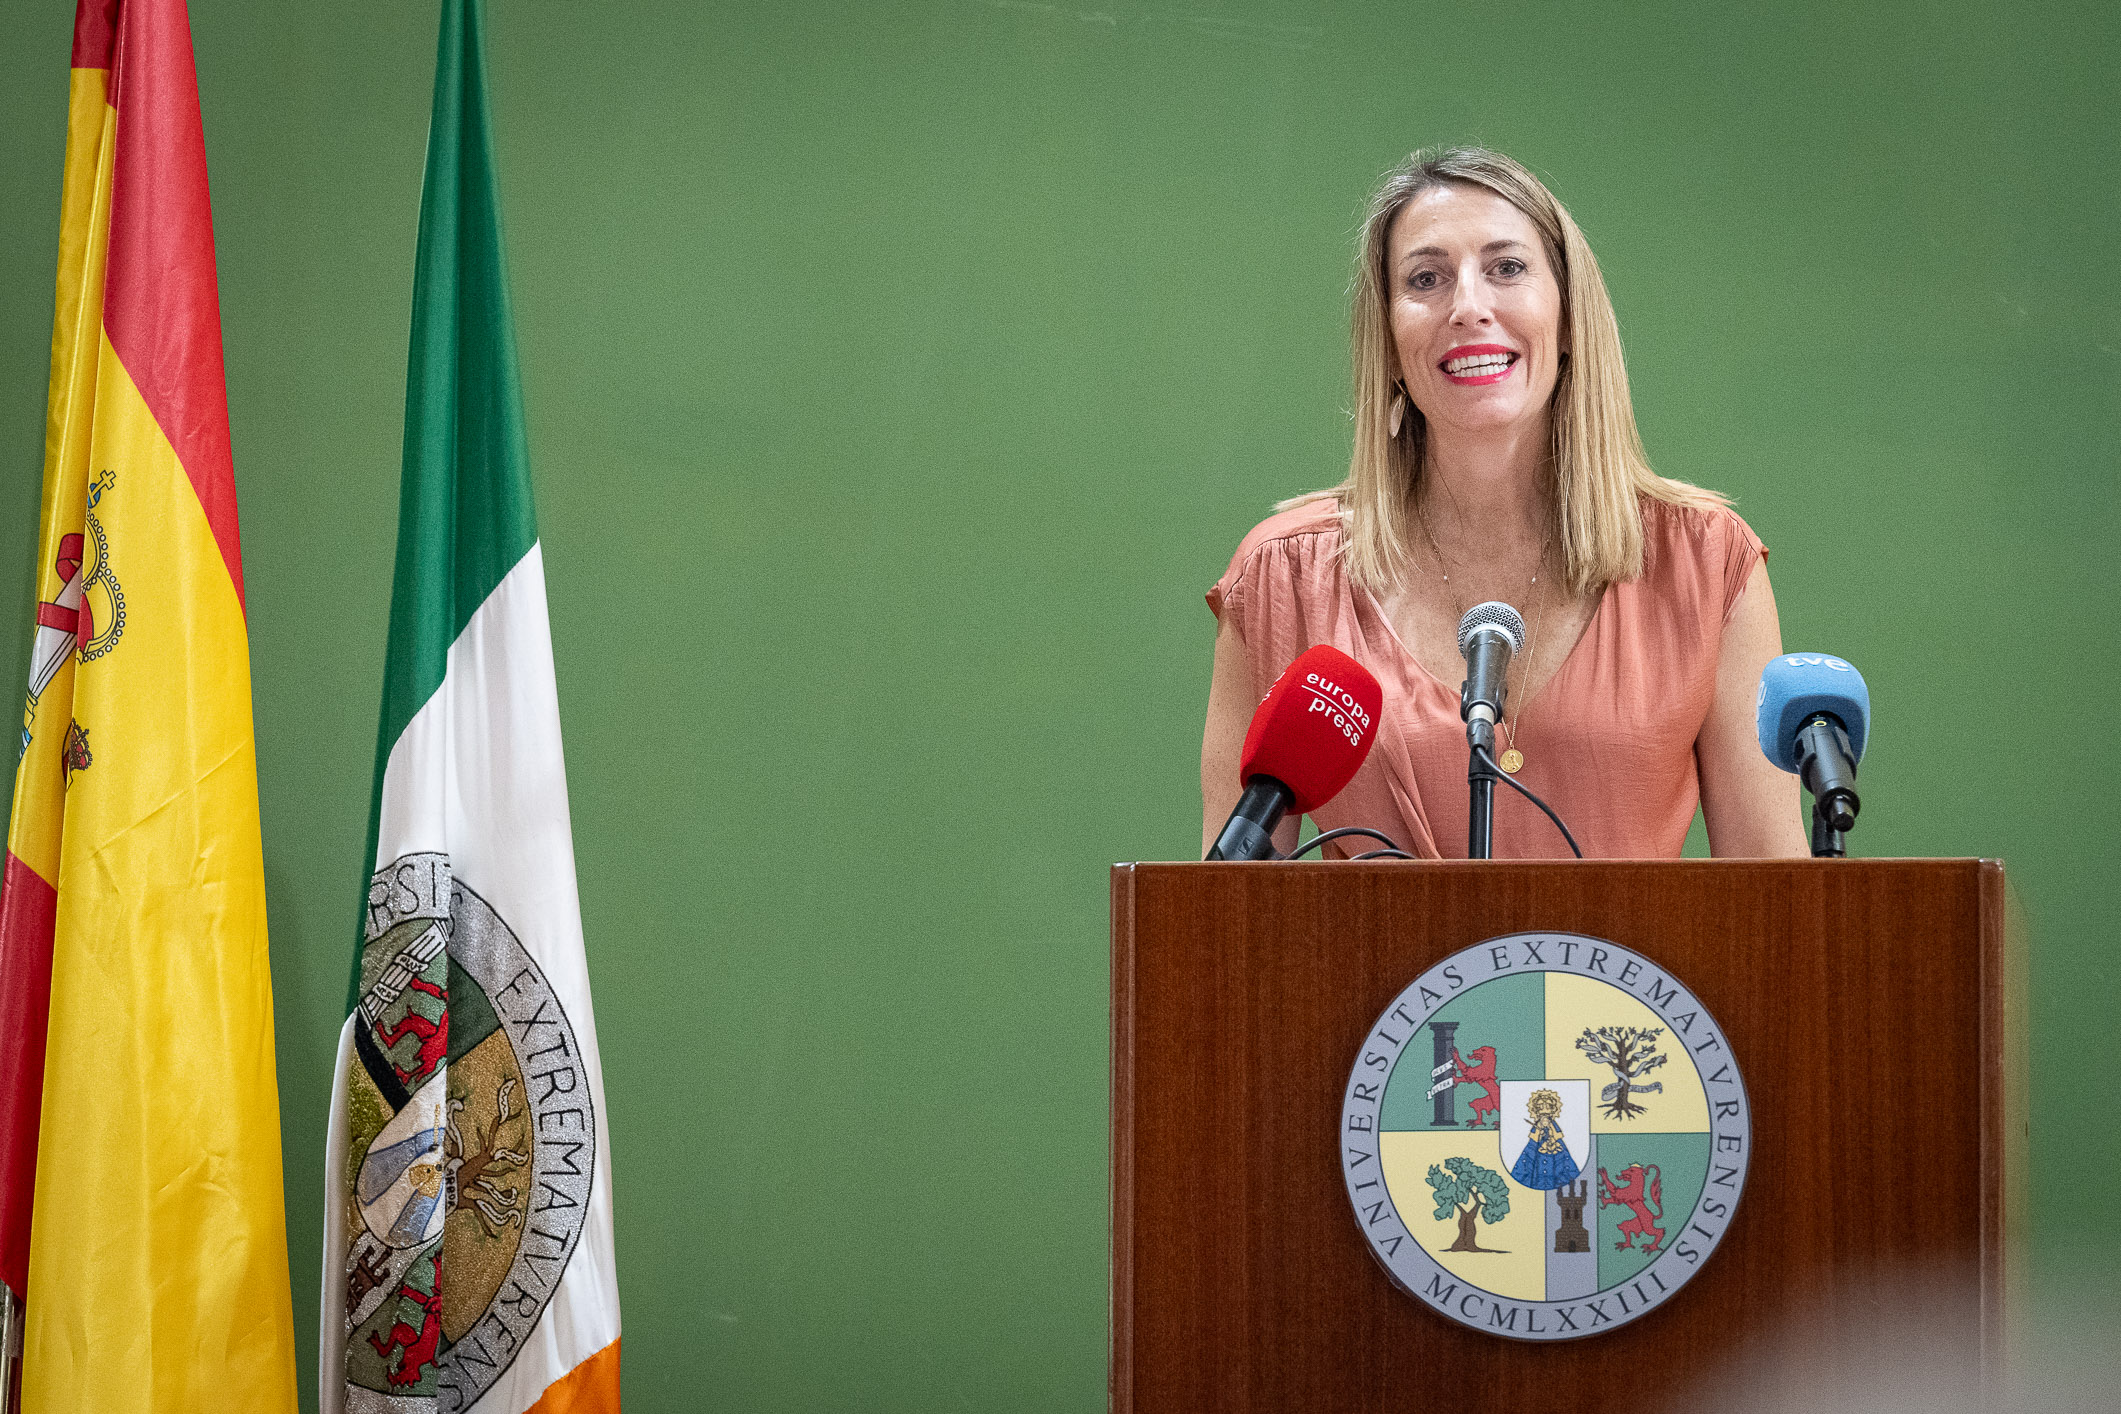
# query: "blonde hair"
(1600, 472)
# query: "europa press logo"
(1545, 1136)
(1338, 703)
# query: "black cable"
(1312, 843)
(1513, 783)
(1383, 854)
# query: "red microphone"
(1306, 742)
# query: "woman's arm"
(1751, 806)
(1231, 701)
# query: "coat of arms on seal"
(1544, 1136)
(471, 1145)
(85, 617)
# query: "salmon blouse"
(1608, 740)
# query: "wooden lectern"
(1874, 1005)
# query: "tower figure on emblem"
(1545, 1161)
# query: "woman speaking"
(1496, 457)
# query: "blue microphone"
(1814, 719)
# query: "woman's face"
(1475, 308)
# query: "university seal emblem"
(471, 1146)
(1544, 1136)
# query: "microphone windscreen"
(1797, 687)
(1315, 727)
(1492, 614)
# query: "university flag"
(467, 1242)
(140, 1198)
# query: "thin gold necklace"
(1512, 758)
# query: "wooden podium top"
(1869, 1002)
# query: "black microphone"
(1827, 764)
(1489, 635)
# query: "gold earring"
(1399, 409)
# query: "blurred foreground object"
(1890, 1346)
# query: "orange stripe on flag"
(591, 1387)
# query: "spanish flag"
(140, 1193)
(468, 1260)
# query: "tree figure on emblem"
(1546, 1161)
(1631, 1053)
(1473, 1193)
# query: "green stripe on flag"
(464, 504)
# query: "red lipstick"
(1487, 372)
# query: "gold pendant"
(1512, 760)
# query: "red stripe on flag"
(95, 30)
(28, 908)
(161, 306)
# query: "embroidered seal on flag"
(471, 1144)
(102, 599)
(1545, 1136)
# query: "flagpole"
(10, 1349)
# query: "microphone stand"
(10, 1351)
(1487, 636)
(1827, 842)
(1480, 781)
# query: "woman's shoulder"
(1311, 525)
(1694, 529)
(1296, 539)
(1702, 550)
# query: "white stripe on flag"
(331, 1309)
(479, 775)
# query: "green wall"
(898, 377)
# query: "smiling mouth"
(1479, 365)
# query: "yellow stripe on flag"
(84, 231)
(158, 1245)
